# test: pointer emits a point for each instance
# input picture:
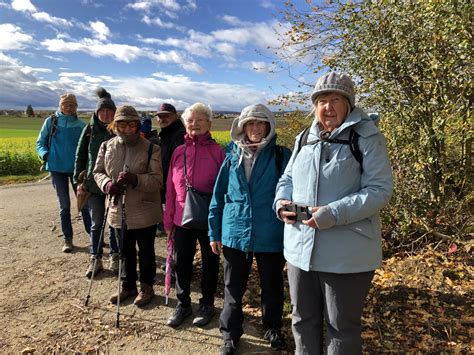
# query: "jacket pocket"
(363, 227)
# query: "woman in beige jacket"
(128, 168)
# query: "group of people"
(315, 209)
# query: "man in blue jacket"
(56, 145)
(241, 220)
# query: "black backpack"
(353, 143)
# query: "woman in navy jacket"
(242, 221)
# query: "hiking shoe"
(114, 263)
(228, 348)
(67, 247)
(124, 295)
(276, 340)
(179, 315)
(204, 315)
(145, 295)
(95, 265)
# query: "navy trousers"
(237, 266)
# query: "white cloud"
(267, 4)
(45, 17)
(226, 42)
(261, 67)
(262, 35)
(12, 37)
(22, 87)
(147, 5)
(120, 52)
(99, 30)
(232, 20)
(28, 70)
(226, 49)
(158, 22)
(6, 60)
(192, 4)
(58, 59)
(23, 6)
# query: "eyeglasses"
(131, 124)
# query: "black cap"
(166, 108)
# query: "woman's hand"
(216, 247)
(285, 215)
(311, 222)
(81, 189)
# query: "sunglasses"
(131, 124)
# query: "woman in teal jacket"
(56, 146)
(333, 252)
(241, 220)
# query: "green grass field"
(18, 142)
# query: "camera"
(303, 212)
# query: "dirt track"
(43, 290)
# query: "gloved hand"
(45, 157)
(112, 188)
(127, 178)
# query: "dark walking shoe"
(276, 340)
(145, 295)
(179, 315)
(204, 315)
(124, 295)
(228, 348)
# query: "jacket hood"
(60, 114)
(253, 112)
(357, 119)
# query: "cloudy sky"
(144, 52)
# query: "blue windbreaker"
(241, 214)
(62, 152)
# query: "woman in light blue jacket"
(333, 251)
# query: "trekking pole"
(101, 237)
(122, 236)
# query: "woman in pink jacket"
(203, 160)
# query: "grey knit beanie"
(334, 82)
(104, 101)
(126, 113)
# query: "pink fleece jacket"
(204, 158)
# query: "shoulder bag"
(196, 205)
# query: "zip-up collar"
(201, 139)
(169, 130)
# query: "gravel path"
(43, 291)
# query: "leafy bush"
(412, 63)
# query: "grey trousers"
(336, 299)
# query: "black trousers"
(184, 251)
(145, 239)
(237, 266)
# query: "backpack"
(353, 143)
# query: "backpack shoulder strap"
(354, 146)
(52, 129)
(279, 157)
(303, 139)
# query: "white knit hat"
(335, 82)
